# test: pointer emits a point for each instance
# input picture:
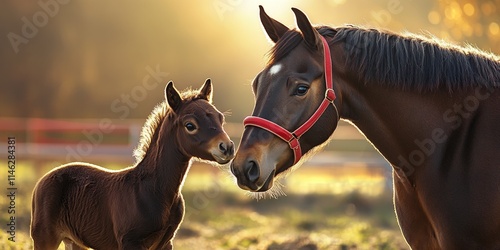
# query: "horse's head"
(198, 125)
(293, 112)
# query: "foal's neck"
(164, 165)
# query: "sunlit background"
(69, 66)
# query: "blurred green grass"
(295, 221)
(221, 216)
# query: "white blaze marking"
(275, 69)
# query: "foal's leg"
(45, 212)
(44, 234)
(45, 243)
(70, 245)
(131, 241)
(176, 216)
(131, 246)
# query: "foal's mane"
(160, 114)
(404, 61)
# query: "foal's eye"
(190, 127)
(301, 90)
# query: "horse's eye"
(301, 90)
(190, 127)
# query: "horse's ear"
(311, 36)
(172, 95)
(206, 90)
(274, 29)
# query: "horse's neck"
(164, 167)
(399, 123)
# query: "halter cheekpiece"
(292, 138)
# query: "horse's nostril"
(252, 171)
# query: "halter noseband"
(292, 138)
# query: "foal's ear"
(274, 29)
(309, 33)
(206, 90)
(172, 95)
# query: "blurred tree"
(88, 54)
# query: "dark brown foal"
(139, 207)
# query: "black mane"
(405, 61)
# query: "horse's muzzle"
(248, 176)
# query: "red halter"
(292, 138)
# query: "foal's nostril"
(222, 147)
(227, 149)
(252, 171)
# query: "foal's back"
(71, 197)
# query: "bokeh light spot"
(434, 17)
(469, 9)
(494, 28)
(453, 11)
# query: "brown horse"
(139, 207)
(431, 109)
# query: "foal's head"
(198, 124)
(287, 91)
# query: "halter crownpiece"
(292, 138)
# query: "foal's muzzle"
(223, 150)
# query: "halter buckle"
(294, 142)
(330, 95)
